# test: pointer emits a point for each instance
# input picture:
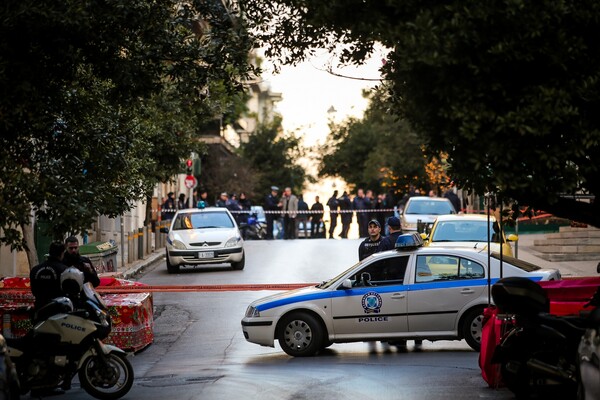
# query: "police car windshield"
(327, 284)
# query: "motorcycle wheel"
(516, 380)
(106, 382)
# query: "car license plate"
(206, 254)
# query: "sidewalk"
(566, 268)
(132, 269)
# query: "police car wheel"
(472, 325)
(300, 335)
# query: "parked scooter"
(538, 356)
(253, 228)
(67, 340)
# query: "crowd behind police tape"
(365, 205)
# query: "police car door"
(376, 304)
(444, 285)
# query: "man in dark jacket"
(345, 209)
(389, 242)
(316, 217)
(271, 204)
(361, 204)
(45, 277)
(333, 205)
(72, 258)
(371, 244)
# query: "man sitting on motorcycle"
(45, 277)
(84, 264)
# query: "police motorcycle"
(66, 340)
(253, 228)
(538, 355)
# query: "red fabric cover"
(490, 337)
(131, 313)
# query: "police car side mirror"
(164, 230)
(346, 284)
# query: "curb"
(133, 270)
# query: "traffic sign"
(190, 182)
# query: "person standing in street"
(169, 207)
(371, 244)
(362, 205)
(271, 206)
(72, 258)
(389, 242)
(316, 218)
(223, 199)
(289, 204)
(182, 202)
(346, 211)
(302, 215)
(333, 205)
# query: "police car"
(412, 292)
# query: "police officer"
(45, 277)
(371, 243)
(72, 258)
(389, 242)
(271, 204)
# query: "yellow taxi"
(469, 230)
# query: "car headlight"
(179, 245)
(252, 312)
(233, 242)
(406, 225)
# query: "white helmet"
(71, 281)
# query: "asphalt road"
(200, 352)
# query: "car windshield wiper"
(320, 285)
(209, 226)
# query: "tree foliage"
(509, 89)
(274, 155)
(378, 152)
(100, 101)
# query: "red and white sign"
(190, 181)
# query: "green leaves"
(101, 100)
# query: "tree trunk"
(29, 239)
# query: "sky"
(309, 91)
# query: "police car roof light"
(409, 241)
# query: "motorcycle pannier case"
(516, 295)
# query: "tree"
(378, 152)
(509, 89)
(275, 155)
(100, 101)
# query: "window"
(442, 268)
(389, 271)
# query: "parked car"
(469, 230)
(305, 233)
(412, 292)
(425, 210)
(204, 236)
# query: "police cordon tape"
(366, 210)
(203, 288)
(192, 288)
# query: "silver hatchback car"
(204, 236)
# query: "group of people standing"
(365, 205)
(295, 212)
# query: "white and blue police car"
(412, 292)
